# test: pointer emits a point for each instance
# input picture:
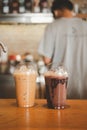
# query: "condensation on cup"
(25, 82)
(56, 80)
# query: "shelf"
(27, 18)
(83, 16)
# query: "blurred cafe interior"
(22, 24)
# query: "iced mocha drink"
(56, 88)
(25, 82)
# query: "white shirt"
(65, 41)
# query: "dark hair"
(61, 4)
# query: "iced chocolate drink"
(56, 88)
(25, 82)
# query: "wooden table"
(39, 117)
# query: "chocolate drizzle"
(51, 84)
(55, 81)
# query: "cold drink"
(25, 82)
(56, 89)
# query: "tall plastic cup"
(25, 82)
(56, 87)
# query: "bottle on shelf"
(76, 8)
(0, 6)
(44, 6)
(28, 6)
(5, 6)
(21, 6)
(36, 6)
(14, 6)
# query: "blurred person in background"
(65, 41)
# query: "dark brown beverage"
(56, 90)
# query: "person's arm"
(46, 60)
(47, 45)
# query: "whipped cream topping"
(25, 70)
(60, 72)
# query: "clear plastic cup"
(25, 82)
(56, 80)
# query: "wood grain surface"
(40, 117)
